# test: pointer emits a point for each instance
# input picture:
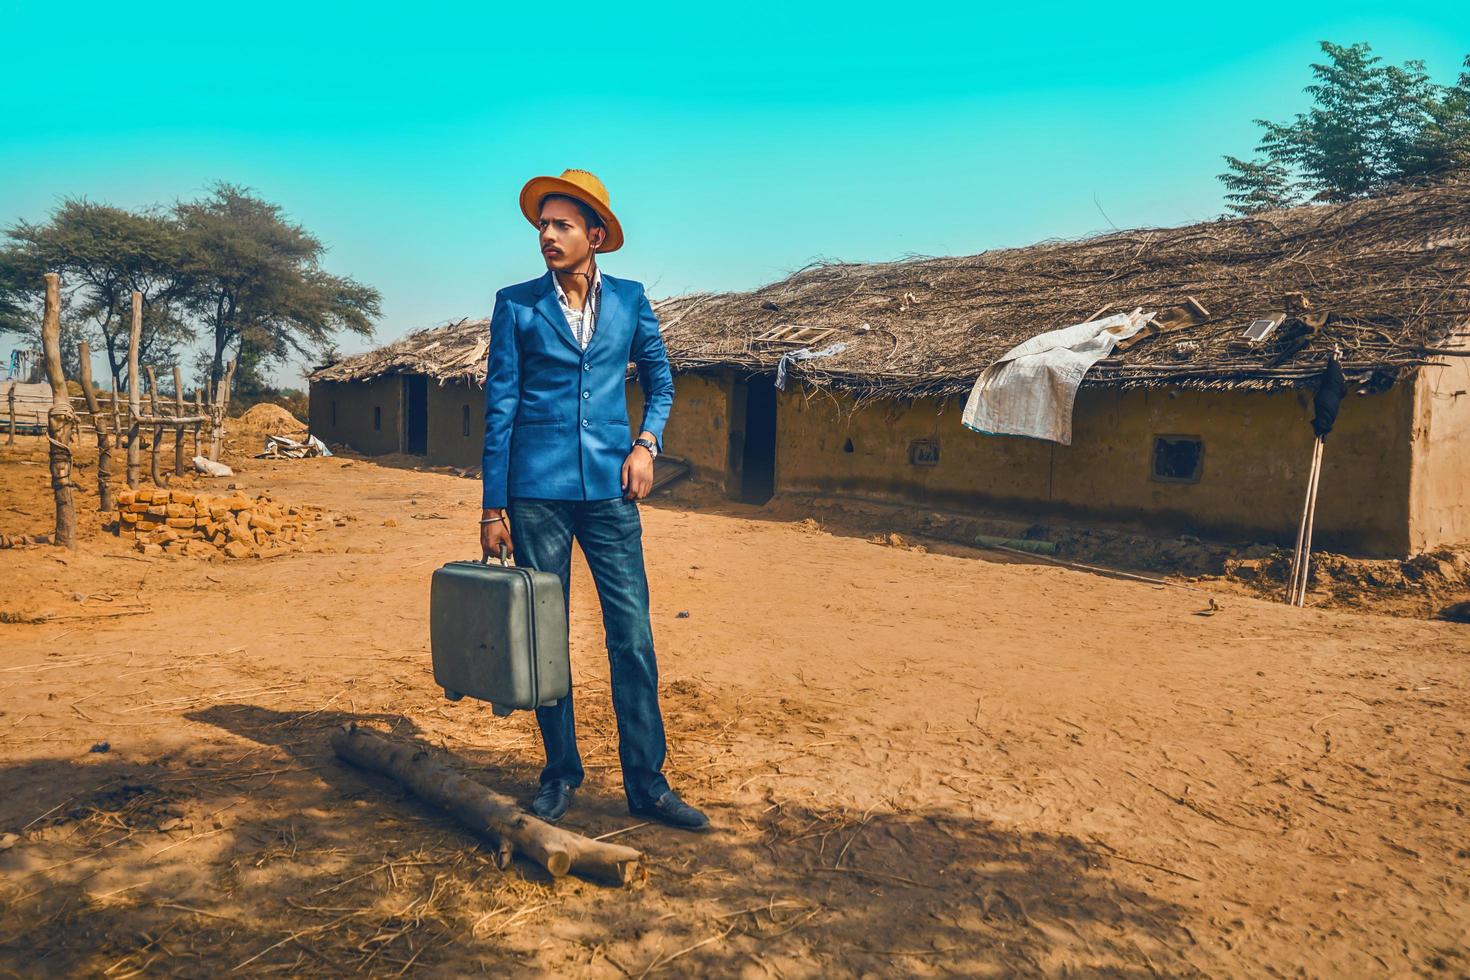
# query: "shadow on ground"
(204, 865)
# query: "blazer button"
(585, 423)
(586, 394)
(586, 367)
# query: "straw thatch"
(456, 352)
(1392, 272)
(1392, 275)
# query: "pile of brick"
(180, 522)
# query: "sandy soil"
(927, 762)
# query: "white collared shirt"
(582, 321)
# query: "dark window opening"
(334, 413)
(758, 447)
(847, 446)
(377, 418)
(416, 414)
(1178, 459)
(924, 452)
(464, 421)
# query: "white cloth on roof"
(805, 354)
(1030, 391)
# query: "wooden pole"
(104, 444)
(1301, 593)
(221, 408)
(116, 418)
(486, 812)
(159, 480)
(10, 439)
(61, 420)
(1296, 590)
(178, 429)
(135, 462)
(198, 410)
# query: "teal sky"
(739, 141)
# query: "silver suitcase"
(498, 633)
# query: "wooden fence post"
(10, 439)
(104, 444)
(159, 480)
(61, 420)
(135, 462)
(220, 409)
(178, 429)
(198, 427)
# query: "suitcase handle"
(485, 558)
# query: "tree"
(14, 317)
(255, 282)
(1371, 127)
(103, 254)
(1257, 185)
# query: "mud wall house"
(422, 396)
(1194, 430)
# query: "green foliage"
(228, 269)
(1371, 127)
(256, 283)
(103, 254)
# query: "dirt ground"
(929, 762)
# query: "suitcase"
(498, 633)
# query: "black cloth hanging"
(1329, 398)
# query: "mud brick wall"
(180, 522)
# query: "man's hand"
(495, 534)
(637, 474)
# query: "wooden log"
(61, 420)
(135, 463)
(104, 444)
(425, 772)
(178, 429)
(159, 479)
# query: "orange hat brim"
(536, 190)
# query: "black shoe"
(552, 800)
(673, 811)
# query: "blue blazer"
(556, 416)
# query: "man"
(559, 464)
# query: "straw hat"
(578, 184)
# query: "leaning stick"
(61, 421)
(10, 439)
(1296, 593)
(135, 462)
(104, 444)
(424, 771)
(1301, 592)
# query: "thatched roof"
(453, 353)
(1392, 275)
(1392, 272)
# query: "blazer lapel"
(611, 308)
(550, 308)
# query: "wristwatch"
(648, 444)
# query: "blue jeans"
(611, 535)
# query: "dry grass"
(1390, 272)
